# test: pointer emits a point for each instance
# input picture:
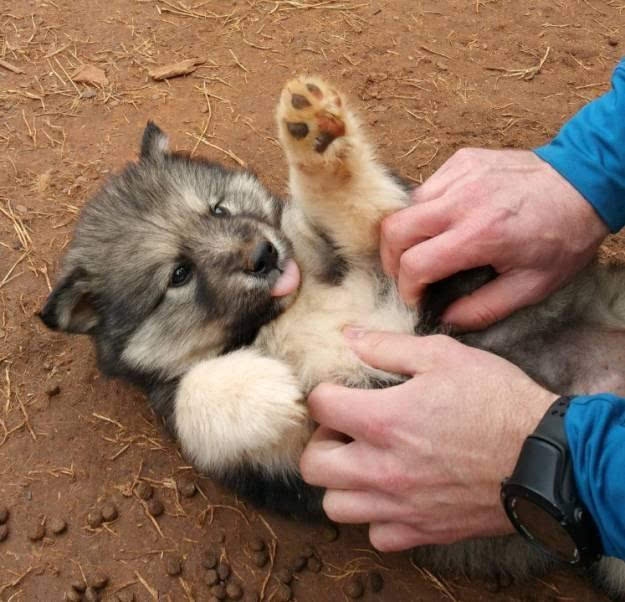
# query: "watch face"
(543, 529)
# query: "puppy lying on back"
(226, 304)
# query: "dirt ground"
(429, 77)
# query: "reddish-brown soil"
(429, 76)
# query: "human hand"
(504, 208)
(422, 461)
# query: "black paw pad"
(298, 130)
(299, 101)
(323, 140)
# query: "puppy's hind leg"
(334, 176)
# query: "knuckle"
(308, 465)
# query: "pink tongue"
(288, 281)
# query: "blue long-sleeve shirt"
(589, 152)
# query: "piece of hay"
(175, 69)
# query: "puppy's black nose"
(264, 258)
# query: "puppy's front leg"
(241, 408)
(334, 176)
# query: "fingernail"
(354, 332)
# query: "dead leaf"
(175, 69)
(89, 74)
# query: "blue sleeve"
(595, 429)
(589, 152)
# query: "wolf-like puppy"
(226, 305)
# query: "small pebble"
(79, 585)
(125, 596)
(57, 525)
(234, 591)
(36, 532)
(330, 533)
(90, 93)
(91, 595)
(314, 564)
(211, 577)
(109, 512)
(285, 576)
(186, 487)
(260, 558)
(613, 41)
(94, 519)
(99, 581)
(53, 391)
(223, 570)
(173, 566)
(144, 490)
(219, 591)
(4, 514)
(354, 588)
(209, 559)
(308, 551)
(4, 532)
(376, 581)
(257, 544)
(155, 507)
(283, 593)
(72, 595)
(299, 563)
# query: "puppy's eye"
(181, 275)
(219, 211)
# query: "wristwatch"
(541, 500)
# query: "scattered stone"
(22, 208)
(94, 519)
(4, 532)
(283, 593)
(376, 581)
(260, 558)
(613, 41)
(308, 551)
(90, 74)
(36, 532)
(53, 391)
(219, 591)
(144, 490)
(175, 69)
(314, 564)
(91, 595)
(99, 581)
(223, 570)
(72, 595)
(109, 512)
(173, 566)
(330, 533)
(90, 93)
(4, 514)
(285, 576)
(354, 588)
(125, 596)
(186, 487)
(234, 591)
(155, 507)
(57, 526)
(79, 585)
(299, 563)
(257, 544)
(211, 577)
(209, 559)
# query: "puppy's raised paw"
(310, 114)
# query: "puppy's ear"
(154, 143)
(70, 306)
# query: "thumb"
(397, 353)
(494, 301)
